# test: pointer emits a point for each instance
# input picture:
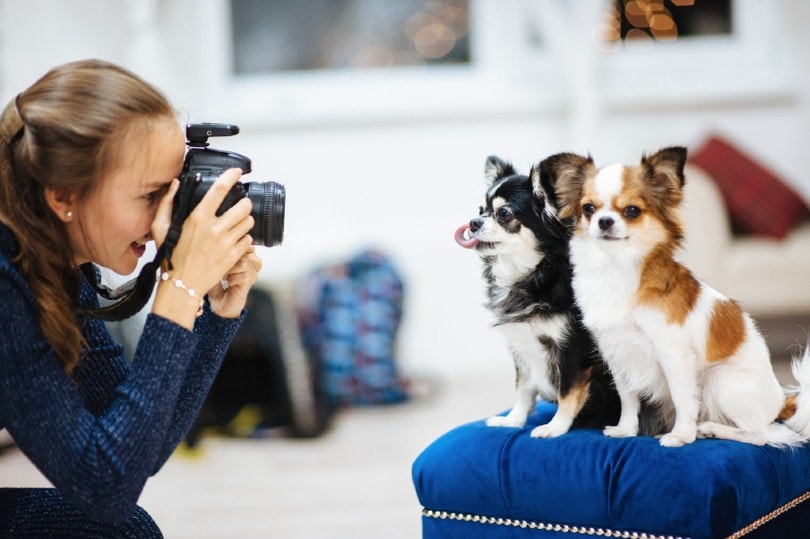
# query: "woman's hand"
(229, 296)
(210, 248)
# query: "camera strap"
(133, 295)
(129, 298)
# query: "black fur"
(540, 295)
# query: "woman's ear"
(61, 203)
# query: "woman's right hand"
(208, 247)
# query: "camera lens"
(268, 200)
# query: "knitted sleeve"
(98, 378)
(99, 440)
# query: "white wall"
(403, 181)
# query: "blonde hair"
(75, 122)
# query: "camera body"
(203, 165)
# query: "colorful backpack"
(349, 315)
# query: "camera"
(203, 165)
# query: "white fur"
(737, 399)
(800, 422)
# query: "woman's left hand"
(228, 298)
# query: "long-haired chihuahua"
(666, 335)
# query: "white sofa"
(770, 278)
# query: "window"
(633, 21)
(321, 62)
(677, 52)
(272, 36)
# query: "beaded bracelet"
(164, 276)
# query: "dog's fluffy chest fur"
(605, 286)
(506, 271)
(510, 287)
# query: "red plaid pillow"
(758, 202)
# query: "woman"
(88, 160)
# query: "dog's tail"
(796, 412)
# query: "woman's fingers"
(216, 194)
(229, 296)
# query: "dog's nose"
(476, 223)
(605, 222)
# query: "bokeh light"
(641, 23)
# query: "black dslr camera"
(203, 165)
(201, 168)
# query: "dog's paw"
(677, 439)
(504, 421)
(707, 430)
(548, 431)
(619, 432)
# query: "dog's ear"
(560, 179)
(496, 168)
(665, 167)
(663, 172)
(542, 191)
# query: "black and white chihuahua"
(524, 250)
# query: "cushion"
(758, 201)
(479, 481)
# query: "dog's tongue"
(468, 242)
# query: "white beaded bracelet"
(164, 276)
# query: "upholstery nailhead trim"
(602, 532)
(770, 516)
(560, 528)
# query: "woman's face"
(111, 225)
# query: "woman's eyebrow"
(157, 184)
(160, 185)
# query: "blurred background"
(378, 115)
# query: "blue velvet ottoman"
(479, 481)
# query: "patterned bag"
(349, 315)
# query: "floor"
(352, 483)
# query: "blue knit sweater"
(99, 433)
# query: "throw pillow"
(757, 200)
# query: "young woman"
(88, 160)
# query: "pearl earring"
(69, 215)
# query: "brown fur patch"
(637, 190)
(562, 177)
(667, 285)
(590, 195)
(572, 402)
(726, 330)
(789, 409)
(632, 193)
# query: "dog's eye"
(631, 212)
(588, 209)
(504, 214)
(480, 210)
